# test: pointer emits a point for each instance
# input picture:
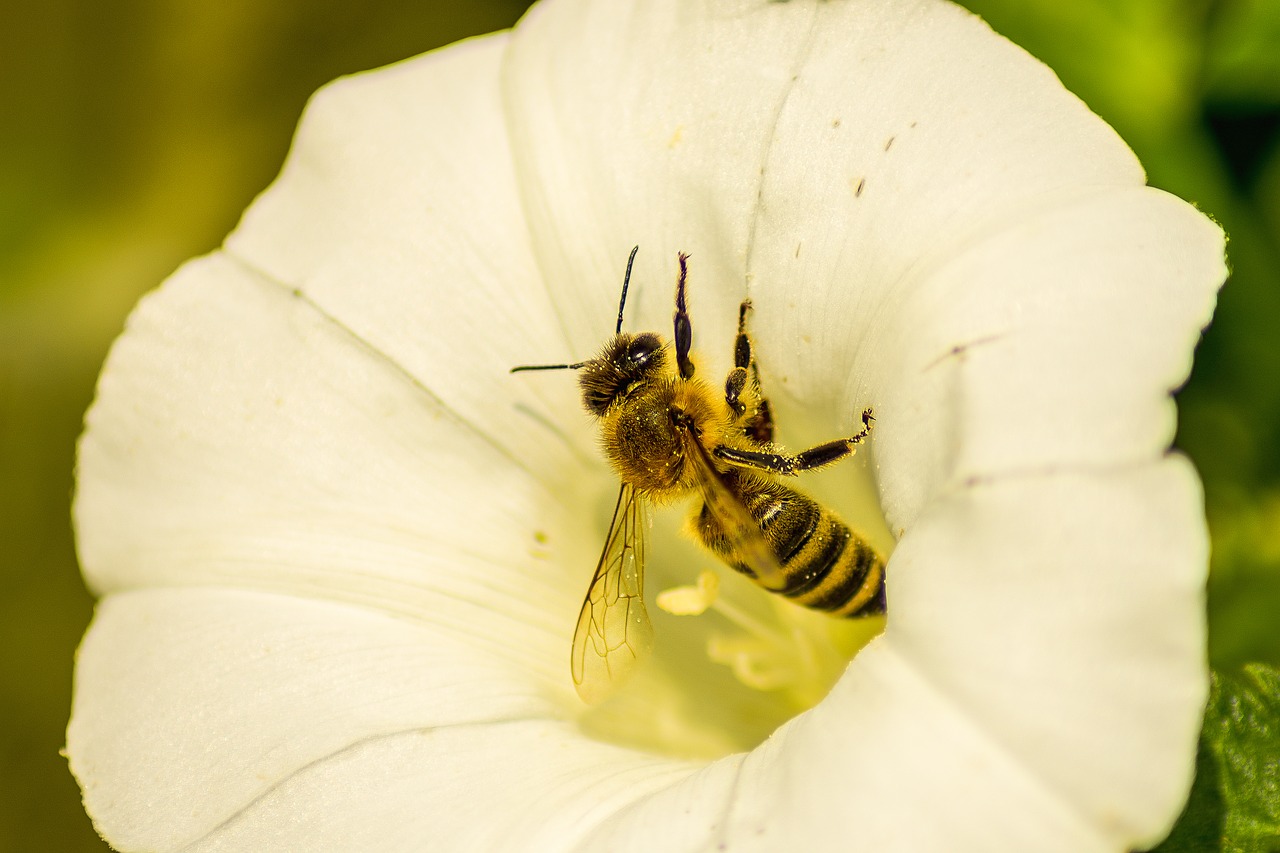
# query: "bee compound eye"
(642, 349)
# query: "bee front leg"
(805, 460)
(683, 326)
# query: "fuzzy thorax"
(645, 445)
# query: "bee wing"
(614, 631)
(740, 529)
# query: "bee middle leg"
(758, 424)
(805, 460)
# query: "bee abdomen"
(827, 566)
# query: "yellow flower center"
(731, 661)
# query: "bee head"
(626, 361)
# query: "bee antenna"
(626, 280)
(548, 367)
(622, 303)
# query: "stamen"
(704, 596)
(747, 622)
(760, 656)
(755, 663)
(691, 600)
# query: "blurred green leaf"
(1266, 187)
(1244, 586)
(1199, 828)
(1235, 802)
(1242, 725)
(1242, 63)
(1133, 61)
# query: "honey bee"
(668, 434)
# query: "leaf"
(1199, 828)
(1242, 62)
(1243, 727)
(1234, 805)
(1135, 61)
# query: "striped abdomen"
(827, 566)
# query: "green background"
(133, 133)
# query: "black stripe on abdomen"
(848, 573)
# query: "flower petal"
(194, 704)
(858, 140)
(1051, 345)
(527, 785)
(309, 414)
(243, 438)
(398, 214)
(884, 763)
(1065, 613)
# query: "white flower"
(340, 549)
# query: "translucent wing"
(614, 631)
(740, 529)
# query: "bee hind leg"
(805, 460)
(757, 424)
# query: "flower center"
(732, 661)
